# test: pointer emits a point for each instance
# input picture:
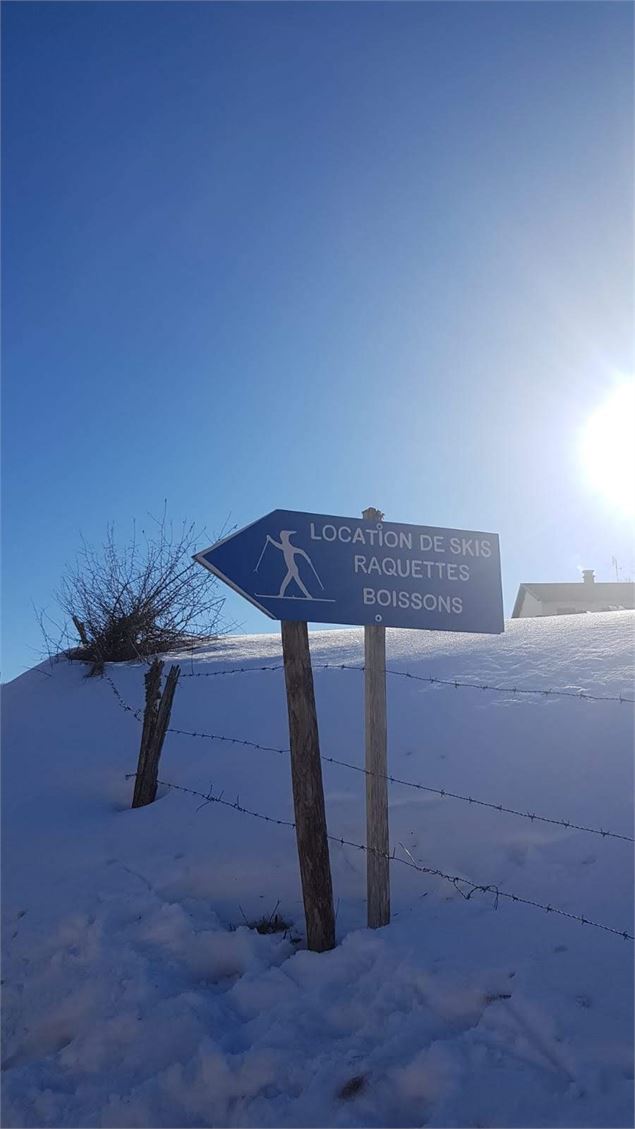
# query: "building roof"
(619, 593)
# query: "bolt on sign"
(299, 567)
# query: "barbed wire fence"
(444, 793)
(465, 887)
(455, 880)
(547, 692)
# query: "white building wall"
(535, 607)
(530, 606)
(564, 607)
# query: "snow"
(134, 993)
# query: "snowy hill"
(134, 992)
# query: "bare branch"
(130, 600)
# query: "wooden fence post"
(308, 791)
(156, 718)
(376, 763)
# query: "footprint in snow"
(583, 1001)
(354, 1086)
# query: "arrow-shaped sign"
(325, 569)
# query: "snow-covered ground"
(135, 995)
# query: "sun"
(607, 449)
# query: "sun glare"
(608, 449)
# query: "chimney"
(588, 576)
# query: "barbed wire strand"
(454, 880)
(548, 692)
(122, 702)
(444, 793)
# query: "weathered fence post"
(156, 718)
(308, 790)
(377, 841)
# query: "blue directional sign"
(328, 569)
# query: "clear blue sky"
(311, 256)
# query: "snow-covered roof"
(619, 594)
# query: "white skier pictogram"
(290, 552)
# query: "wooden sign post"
(308, 790)
(296, 566)
(376, 763)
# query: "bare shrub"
(139, 598)
(272, 923)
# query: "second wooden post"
(377, 841)
(308, 790)
(156, 719)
